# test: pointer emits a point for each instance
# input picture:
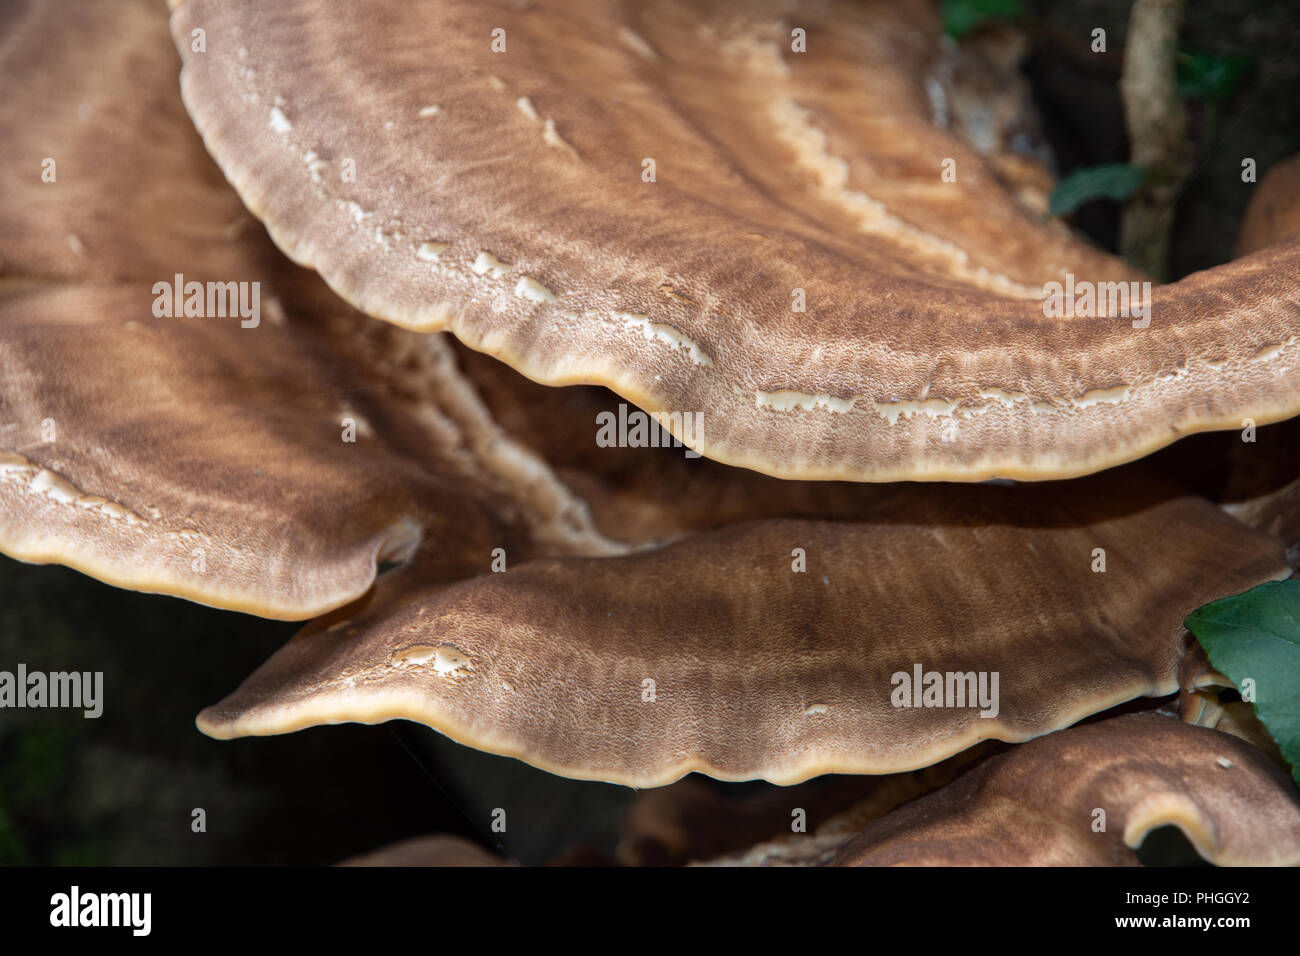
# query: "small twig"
(1157, 130)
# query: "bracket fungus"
(1088, 796)
(266, 464)
(239, 470)
(711, 654)
(1262, 486)
(1274, 211)
(1085, 797)
(691, 821)
(188, 412)
(705, 221)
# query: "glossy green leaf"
(1115, 181)
(1254, 639)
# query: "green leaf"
(960, 17)
(1115, 181)
(1211, 76)
(1256, 636)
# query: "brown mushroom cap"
(1262, 488)
(194, 456)
(756, 670)
(1278, 512)
(438, 184)
(693, 820)
(645, 495)
(1273, 214)
(1037, 805)
(130, 194)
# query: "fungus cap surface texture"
(265, 454)
(668, 199)
(717, 654)
(1039, 804)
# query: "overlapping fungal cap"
(265, 455)
(693, 820)
(1273, 214)
(104, 182)
(247, 469)
(640, 490)
(783, 649)
(1262, 487)
(1040, 804)
(742, 214)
